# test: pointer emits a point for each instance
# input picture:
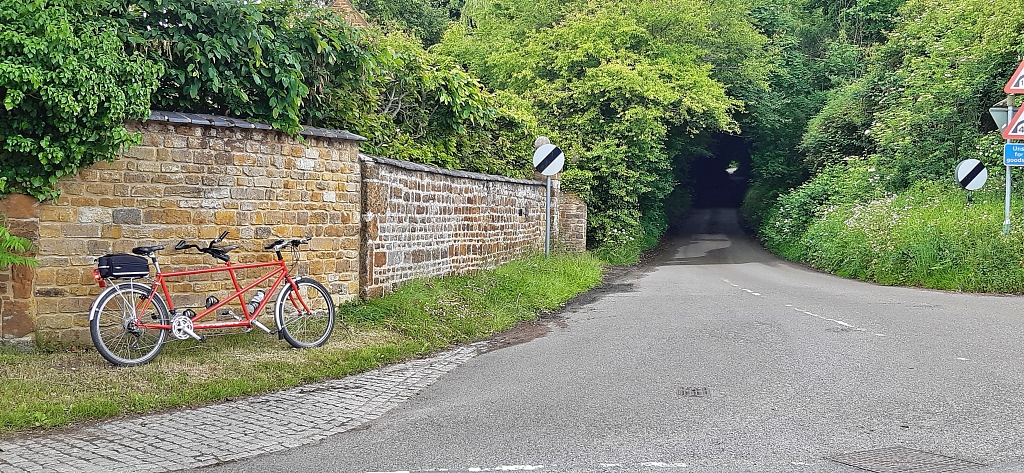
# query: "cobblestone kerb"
(194, 438)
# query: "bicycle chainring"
(181, 326)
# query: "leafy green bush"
(926, 236)
(838, 132)
(67, 86)
(943, 66)
(422, 18)
(783, 229)
(428, 110)
(284, 62)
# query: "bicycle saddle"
(145, 250)
(219, 252)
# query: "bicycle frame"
(280, 271)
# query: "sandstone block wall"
(186, 181)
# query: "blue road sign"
(1013, 154)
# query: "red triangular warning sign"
(1015, 129)
(1016, 83)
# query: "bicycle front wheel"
(114, 319)
(305, 318)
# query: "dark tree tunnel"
(720, 180)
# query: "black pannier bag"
(122, 265)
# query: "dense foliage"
(625, 88)
(423, 19)
(275, 61)
(881, 204)
(426, 109)
(66, 88)
(840, 103)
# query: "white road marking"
(651, 464)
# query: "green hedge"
(67, 86)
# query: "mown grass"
(48, 390)
(927, 236)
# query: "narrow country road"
(718, 357)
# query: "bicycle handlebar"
(281, 244)
(221, 252)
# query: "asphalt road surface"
(718, 357)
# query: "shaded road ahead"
(718, 357)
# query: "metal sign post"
(548, 160)
(1013, 86)
(1009, 118)
(1005, 125)
(547, 221)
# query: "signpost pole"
(1009, 118)
(548, 160)
(547, 223)
(1006, 213)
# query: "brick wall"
(421, 221)
(189, 181)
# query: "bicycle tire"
(112, 327)
(295, 325)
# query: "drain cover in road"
(903, 460)
(690, 391)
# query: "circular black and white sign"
(971, 174)
(548, 160)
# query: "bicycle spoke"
(114, 327)
(301, 327)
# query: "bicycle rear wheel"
(113, 324)
(300, 327)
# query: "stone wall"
(376, 222)
(16, 302)
(572, 224)
(422, 221)
(188, 180)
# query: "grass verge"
(48, 390)
(927, 236)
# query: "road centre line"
(822, 317)
(648, 464)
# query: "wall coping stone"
(228, 122)
(447, 172)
